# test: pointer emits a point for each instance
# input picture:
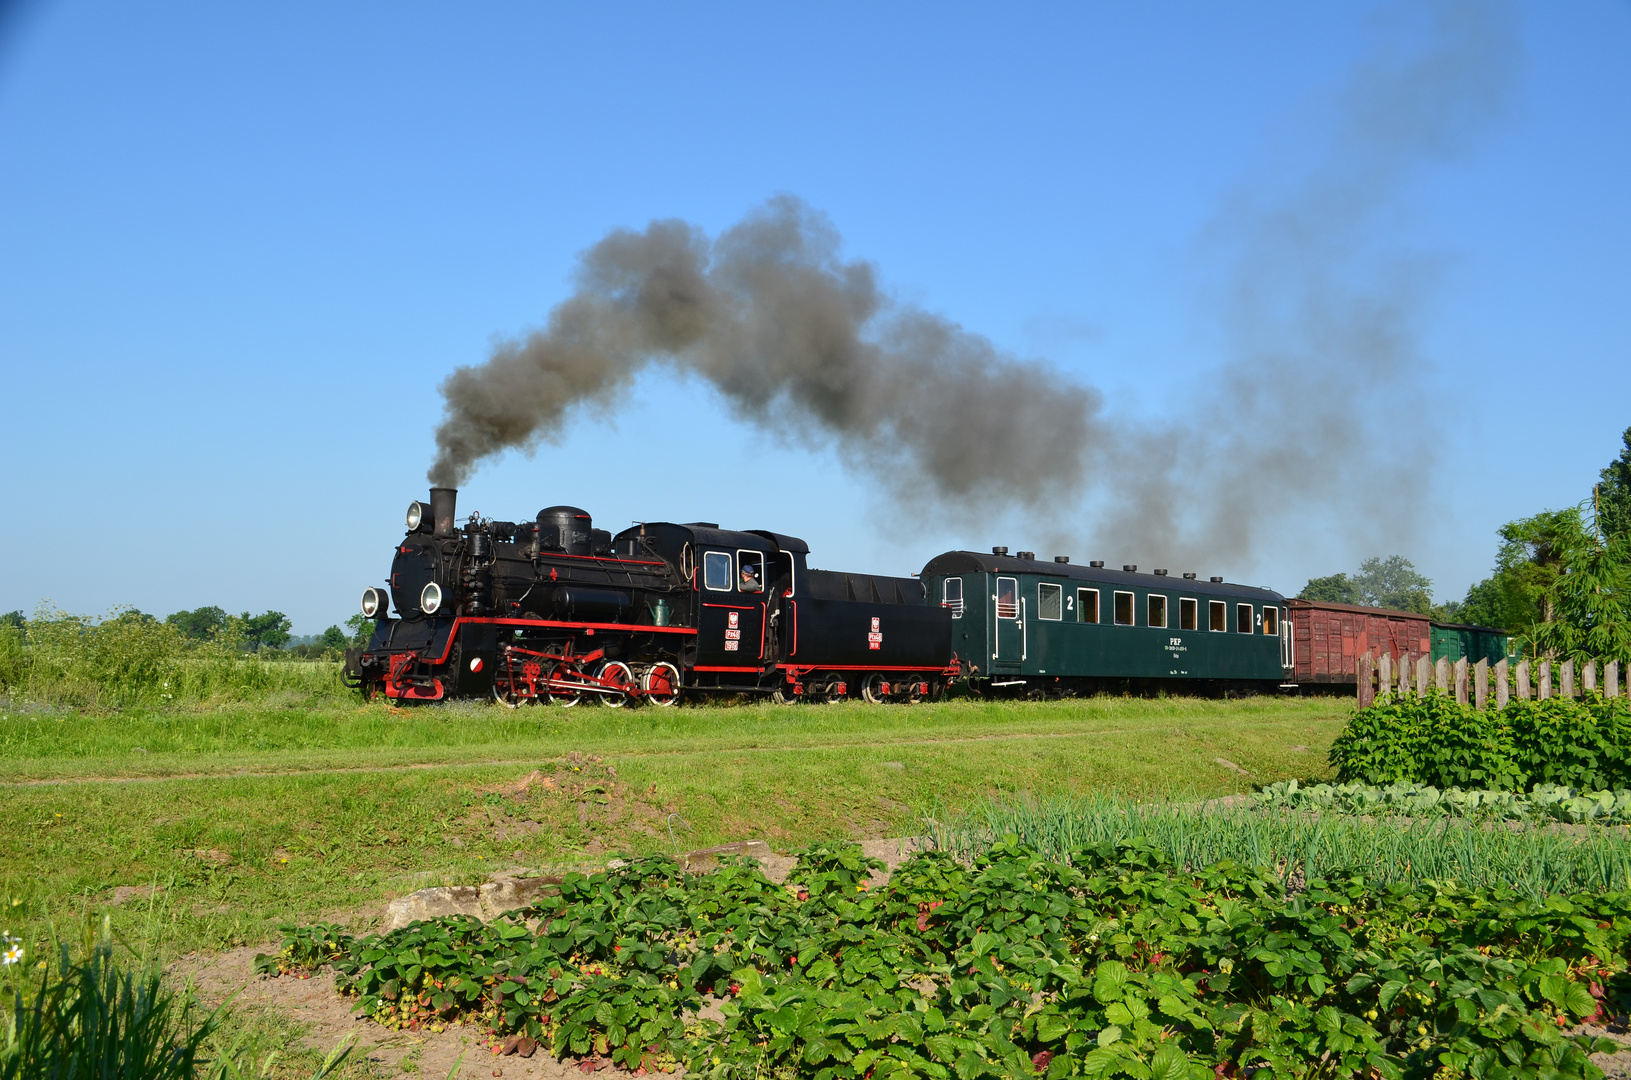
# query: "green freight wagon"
(1453, 641)
(1024, 626)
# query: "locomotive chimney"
(442, 503)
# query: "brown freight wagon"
(1327, 639)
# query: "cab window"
(750, 571)
(716, 570)
(954, 597)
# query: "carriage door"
(1010, 623)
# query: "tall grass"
(1536, 861)
(126, 659)
(93, 1017)
(90, 1020)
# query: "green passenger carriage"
(1047, 628)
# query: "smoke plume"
(795, 338)
(1313, 413)
(1320, 426)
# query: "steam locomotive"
(556, 611)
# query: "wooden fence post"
(1404, 675)
(1461, 681)
(1503, 692)
(1367, 692)
(1545, 679)
(1523, 680)
(1441, 674)
(1423, 666)
(1588, 677)
(1480, 685)
(1611, 679)
(1384, 673)
(1568, 678)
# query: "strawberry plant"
(1114, 962)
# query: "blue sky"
(241, 246)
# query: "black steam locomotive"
(556, 611)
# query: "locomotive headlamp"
(430, 599)
(374, 603)
(416, 515)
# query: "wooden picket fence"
(1378, 676)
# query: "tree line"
(270, 630)
(1561, 580)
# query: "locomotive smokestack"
(443, 501)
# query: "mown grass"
(233, 818)
(1539, 861)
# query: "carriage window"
(954, 597)
(1124, 609)
(1243, 618)
(1049, 601)
(1187, 614)
(1157, 611)
(1218, 612)
(1087, 605)
(1271, 621)
(716, 570)
(750, 569)
(1007, 598)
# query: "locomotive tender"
(557, 611)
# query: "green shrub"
(1582, 744)
(130, 659)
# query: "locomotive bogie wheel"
(504, 693)
(783, 694)
(837, 687)
(914, 691)
(873, 689)
(662, 684)
(617, 673)
(564, 698)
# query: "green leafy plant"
(1112, 961)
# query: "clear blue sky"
(242, 244)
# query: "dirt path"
(243, 773)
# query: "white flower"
(13, 953)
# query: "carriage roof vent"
(1216, 580)
(1160, 573)
(999, 551)
(1061, 558)
(1028, 556)
(1130, 567)
(1097, 564)
(1189, 575)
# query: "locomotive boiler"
(555, 611)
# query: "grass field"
(205, 827)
